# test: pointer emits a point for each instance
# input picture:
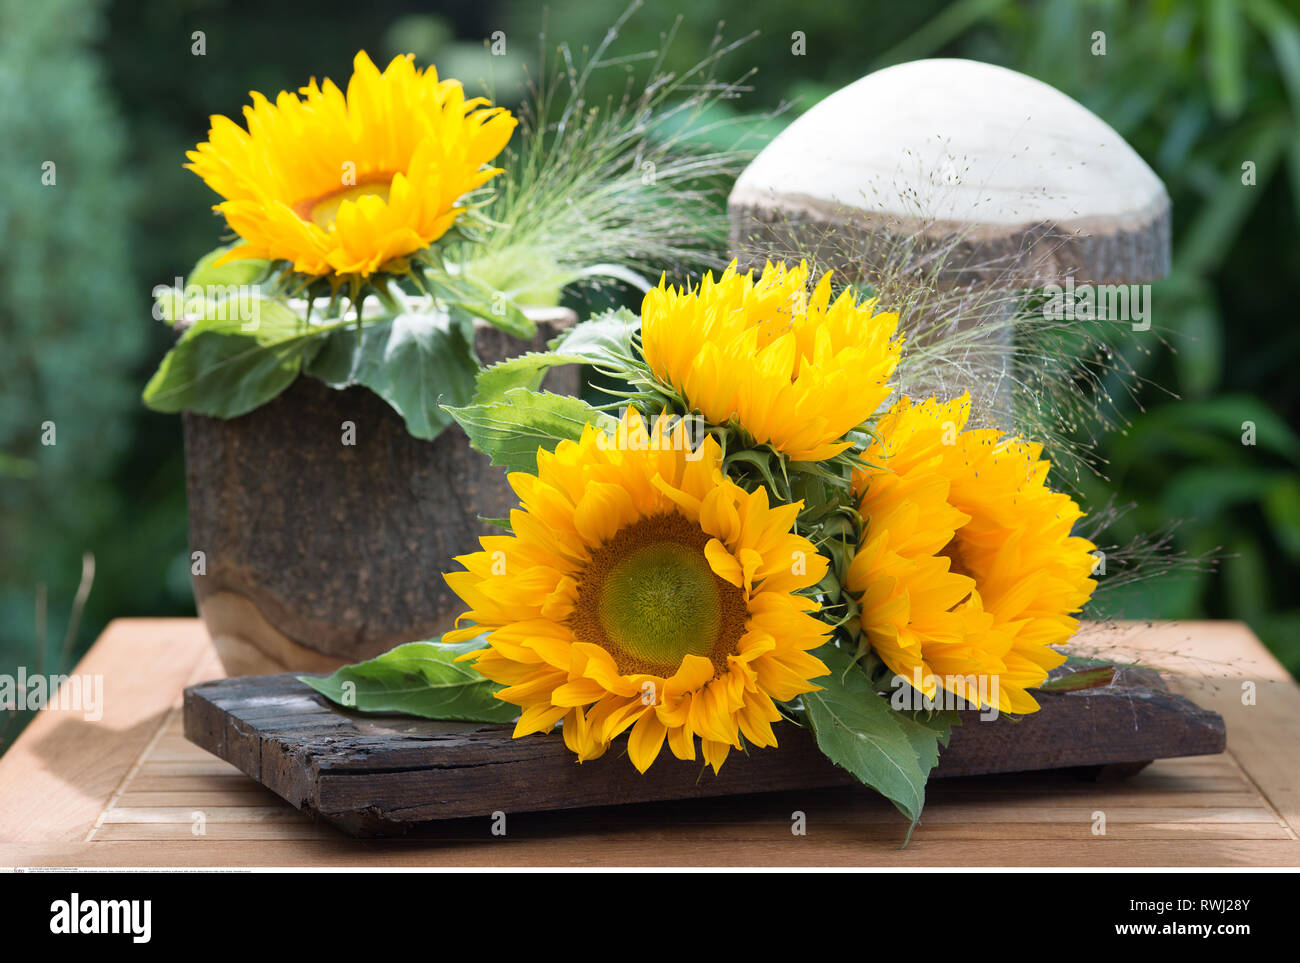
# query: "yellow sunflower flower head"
(644, 590)
(350, 184)
(966, 571)
(795, 370)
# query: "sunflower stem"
(389, 297)
(354, 297)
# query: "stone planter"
(317, 553)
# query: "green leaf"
(927, 731)
(1202, 494)
(1089, 678)
(856, 728)
(953, 20)
(170, 303)
(522, 371)
(239, 354)
(604, 341)
(244, 271)
(761, 459)
(12, 467)
(415, 362)
(1076, 662)
(1281, 505)
(1227, 54)
(1207, 239)
(482, 301)
(510, 430)
(420, 679)
(619, 273)
(1246, 575)
(1284, 36)
(528, 276)
(1223, 419)
(1199, 340)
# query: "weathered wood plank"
(377, 775)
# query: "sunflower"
(966, 570)
(351, 184)
(644, 590)
(795, 370)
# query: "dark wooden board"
(385, 775)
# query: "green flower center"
(649, 598)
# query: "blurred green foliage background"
(114, 93)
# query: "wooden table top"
(129, 790)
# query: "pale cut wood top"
(959, 140)
(1022, 179)
(124, 791)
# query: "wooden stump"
(385, 775)
(977, 182)
(318, 554)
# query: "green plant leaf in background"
(412, 361)
(1227, 57)
(420, 678)
(240, 353)
(857, 729)
(512, 428)
(11, 467)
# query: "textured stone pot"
(317, 553)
